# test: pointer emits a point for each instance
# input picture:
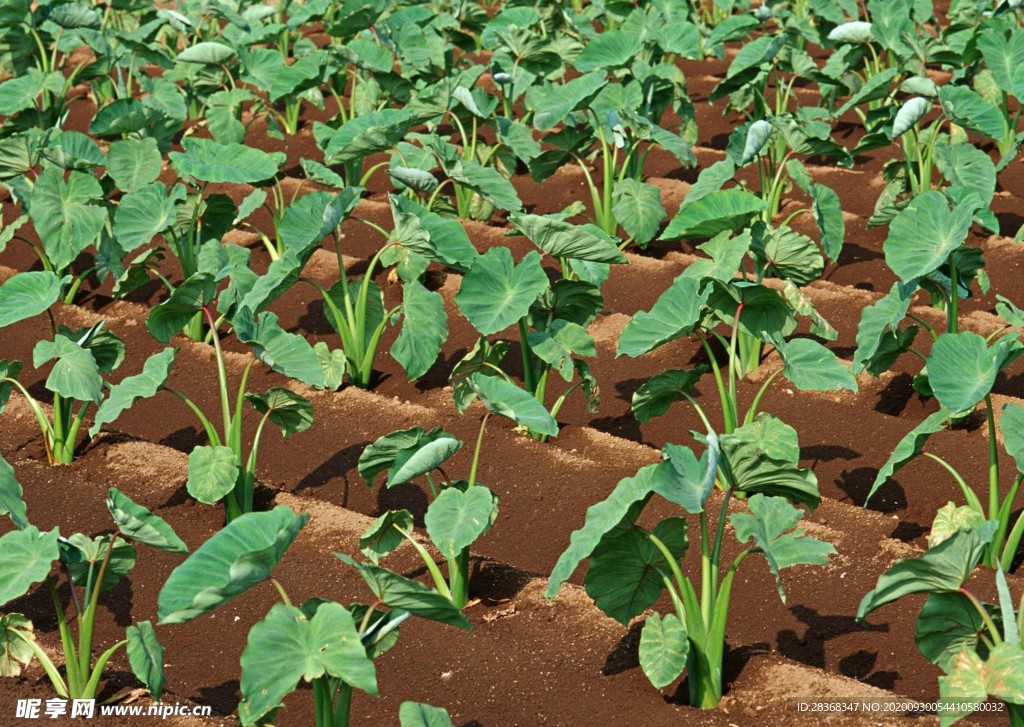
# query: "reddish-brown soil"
(529, 661)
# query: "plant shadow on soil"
(809, 649)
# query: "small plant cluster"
(134, 159)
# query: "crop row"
(174, 111)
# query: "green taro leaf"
(828, 212)
(207, 53)
(909, 114)
(136, 522)
(966, 108)
(770, 524)
(948, 623)
(286, 353)
(416, 714)
(763, 456)
(458, 517)
(565, 240)
(424, 329)
(484, 357)
(496, 293)
(134, 163)
(672, 316)
(962, 369)
(942, 569)
(811, 366)
(604, 517)
(75, 375)
(950, 519)
(1011, 424)
(188, 299)
(485, 181)
(236, 558)
(64, 214)
(967, 166)
(12, 502)
(383, 454)
(664, 646)
(505, 398)
(212, 473)
(909, 447)
(557, 344)
(757, 137)
(627, 570)
(24, 295)
(655, 396)
(424, 456)
(1004, 55)
(123, 396)
(287, 646)
(638, 209)
(396, 591)
(208, 161)
(728, 209)
(145, 213)
(146, 656)
(691, 479)
(924, 234)
(971, 680)
(291, 412)
(856, 31)
(792, 256)
(26, 557)
(384, 535)
(87, 553)
(367, 134)
(878, 343)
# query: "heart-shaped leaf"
(458, 517)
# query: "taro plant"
(82, 359)
(962, 370)
(349, 145)
(926, 249)
(320, 642)
(733, 313)
(630, 565)
(93, 564)
(460, 511)
(551, 317)
(613, 127)
(976, 644)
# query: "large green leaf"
(386, 534)
(962, 368)
(659, 392)
(878, 341)
(727, 209)
(967, 166)
(24, 295)
(496, 293)
(288, 353)
(75, 375)
(602, 518)
(909, 113)
(757, 136)
(458, 517)
(638, 209)
(208, 53)
(486, 182)
(287, 646)
(236, 558)
(136, 522)
(368, 134)
(207, 161)
(763, 456)
(948, 624)
(770, 524)
(971, 680)
(315, 216)
(144, 213)
(627, 570)
(565, 240)
(66, 214)
(134, 163)
(212, 473)
(396, 591)
(424, 329)
(924, 234)
(968, 109)
(909, 447)
(505, 398)
(12, 502)
(942, 569)
(1003, 52)
(185, 301)
(811, 366)
(123, 396)
(290, 412)
(83, 555)
(416, 714)
(828, 212)
(26, 557)
(664, 645)
(689, 480)
(146, 656)
(557, 344)
(398, 450)
(790, 255)
(672, 316)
